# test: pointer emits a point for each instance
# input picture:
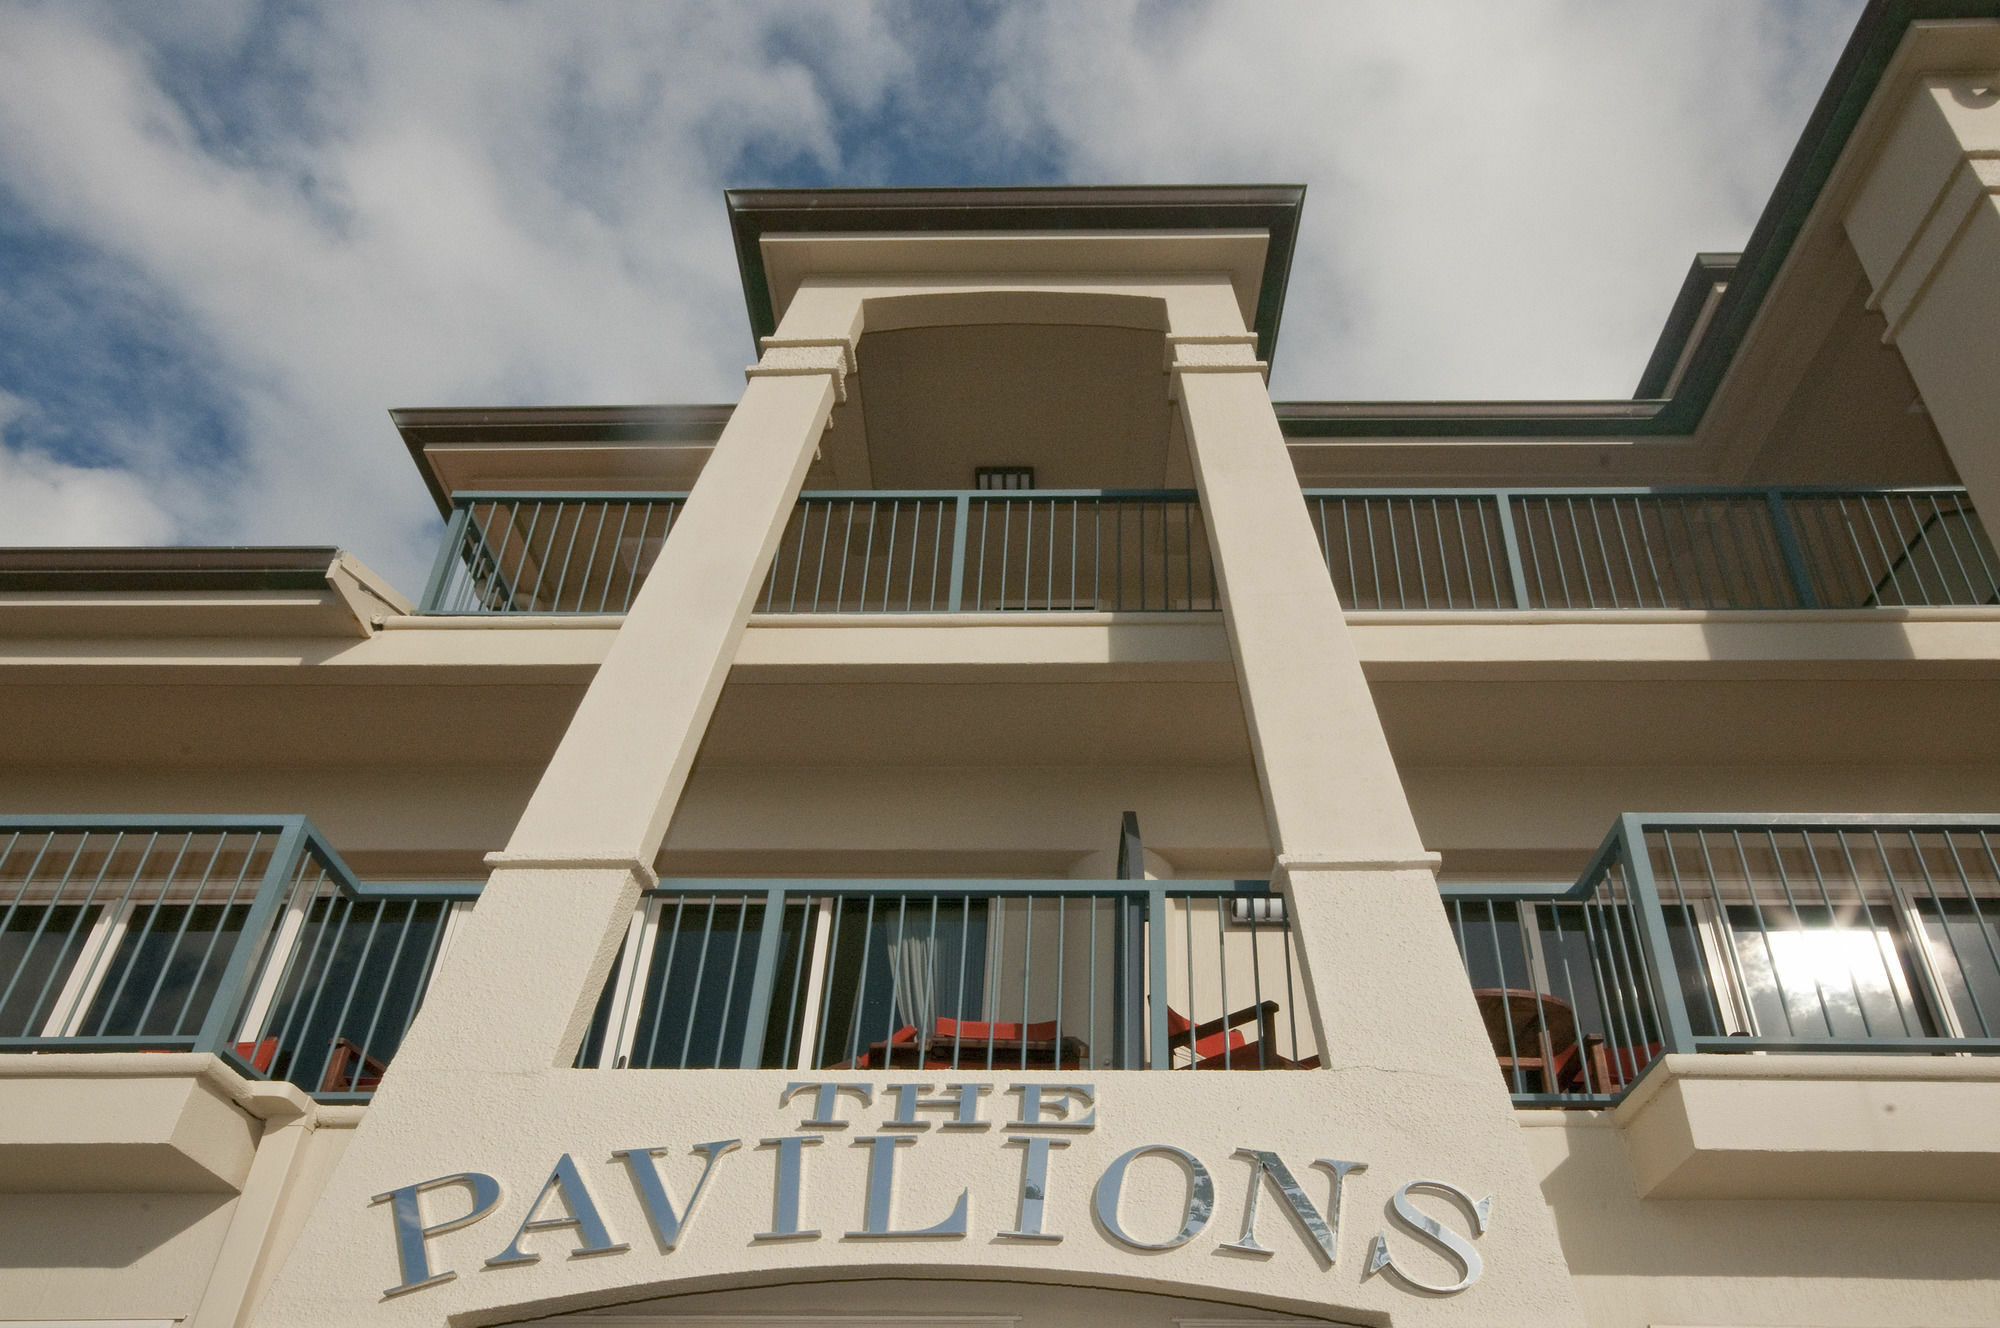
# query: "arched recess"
(1068, 384)
(964, 308)
(871, 1300)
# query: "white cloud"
(45, 502)
(376, 204)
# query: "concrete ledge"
(1816, 1127)
(132, 1122)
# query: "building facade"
(782, 867)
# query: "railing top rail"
(956, 885)
(309, 837)
(1644, 491)
(466, 497)
(1817, 820)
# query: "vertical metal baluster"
(892, 950)
(1867, 913)
(1613, 979)
(1193, 1010)
(1929, 547)
(1694, 547)
(611, 554)
(353, 985)
(800, 957)
(643, 980)
(925, 1035)
(1556, 545)
(825, 537)
(38, 1014)
(1646, 546)
(1444, 562)
(1090, 990)
(1141, 508)
(700, 972)
(1569, 994)
(1027, 972)
(1764, 930)
(374, 1024)
(729, 985)
(1007, 551)
(846, 554)
(1986, 933)
(1715, 1020)
(1973, 527)
(861, 987)
(826, 995)
(1257, 988)
(1889, 561)
(180, 934)
(208, 951)
(1416, 551)
(996, 970)
(134, 939)
(964, 965)
(888, 554)
(1799, 922)
(1347, 542)
(1062, 958)
(1788, 543)
(937, 553)
(1930, 886)
(332, 934)
(569, 553)
(1374, 559)
(1603, 552)
(1506, 1003)
(1625, 548)
(1222, 973)
(1187, 538)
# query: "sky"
(233, 235)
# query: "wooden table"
(1530, 1031)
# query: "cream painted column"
(1926, 226)
(1395, 1016)
(518, 989)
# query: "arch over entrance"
(910, 1302)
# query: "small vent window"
(1004, 477)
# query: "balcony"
(874, 552)
(955, 974)
(1431, 550)
(246, 937)
(1739, 934)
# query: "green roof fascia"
(1272, 208)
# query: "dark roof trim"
(1500, 419)
(1702, 277)
(1868, 52)
(1273, 208)
(183, 569)
(539, 426)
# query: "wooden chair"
(1218, 1044)
(350, 1069)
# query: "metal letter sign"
(1050, 1118)
(1434, 1234)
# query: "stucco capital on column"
(1939, 167)
(1292, 864)
(1215, 352)
(790, 357)
(541, 862)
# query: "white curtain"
(913, 969)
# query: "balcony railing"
(1767, 548)
(960, 974)
(242, 936)
(869, 552)
(1737, 934)
(1429, 549)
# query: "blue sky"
(233, 235)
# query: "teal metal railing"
(1707, 548)
(1734, 933)
(963, 974)
(242, 936)
(1427, 549)
(862, 552)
